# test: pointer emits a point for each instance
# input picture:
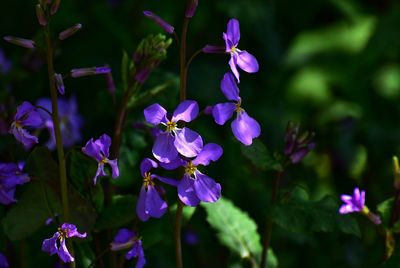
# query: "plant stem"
(177, 235)
(57, 132)
(269, 223)
(182, 54)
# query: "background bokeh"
(332, 65)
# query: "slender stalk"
(183, 70)
(269, 224)
(177, 235)
(57, 132)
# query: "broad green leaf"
(119, 212)
(81, 170)
(36, 203)
(259, 155)
(385, 210)
(236, 229)
(299, 214)
(41, 165)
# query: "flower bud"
(162, 23)
(26, 43)
(110, 83)
(191, 8)
(40, 15)
(90, 71)
(70, 31)
(54, 7)
(297, 147)
(59, 83)
(213, 49)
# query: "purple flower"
(174, 140)
(70, 121)
(150, 202)
(244, 127)
(99, 150)
(195, 186)
(11, 175)
(56, 244)
(75, 73)
(296, 148)
(355, 203)
(241, 58)
(157, 19)
(27, 116)
(125, 239)
(3, 261)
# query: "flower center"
(233, 49)
(147, 180)
(63, 234)
(190, 169)
(104, 160)
(171, 126)
(238, 107)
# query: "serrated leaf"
(30, 212)
(119, 212)
(302, 215)
(235, 228)
(259, 155)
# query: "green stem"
(57, 132)
(269, 223)
(177, 235)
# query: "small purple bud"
(59, 83)
(26, 43)
(70, 31)
(90, 71)
(40, 15)
(213, 49)
(208, 110)
(191, 8)
(54, 7)
(162, 23)
(110, 82)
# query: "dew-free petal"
(114, 168)
(229, 87)
(164, 149)
(188, 142)
(172, 182)
(104, 143)
(146, 165)
(63, 253)
(155, 114)
(210, 152)
(207, 190)
(245, 128)
(187, 193)
(233, 31)
(141, 205)
(186, 111)
(157, 19)
(92, 149)
(50, 245)
(247, 62)
(232, 64)
(155, 205)
(222, 112)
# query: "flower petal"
(50, 245)
(23, 136)
(92, 149)
(155, 206)
(172, 182)
(123, 235)
(114, 168)
(104, 143)
(186, 192)
(164, 149)
(229, 87)
(222, 112)
(245, 128)
(177, 162)
(141, 204)
(7, 197)
(207, 190)
(187, 142)
(99, 173)
(63, 252)
(247, 62)
(232, 64)
(210, 152)
(233, 31)
(146, 165)
(155, 114)
(186, 111)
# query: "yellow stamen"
(147, 180)
(171, 125)
(190, 168)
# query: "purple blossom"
(126, 239)
(297, 147)
(70, 121)
(27, 117)
(244, 127)
(57, 243)
(355, 203)
(157, 19)
(174, 140)
(195, 186)
(3, 261)
(11, 175)
(150, 202)
(191, 8)
(75, 73)
(99, 150)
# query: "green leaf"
(236, 229)
(259, 155)
(40, 165)
(385, 210)
(299, 214)
(121, 211)
(126, 66)
(30, 212)
(81, 170)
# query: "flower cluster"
(126, 239)
(11, 175)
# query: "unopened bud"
(110, 82)
(59, 83)
(157, 19)
(396, 172)
(191, 8)
(40, 15)
(26, 43)
(89, 71)
(54, 7)
(70, 31)
(213, 49)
